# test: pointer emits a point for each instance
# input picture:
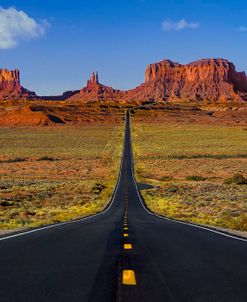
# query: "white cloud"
(17, 25)
(169, 25)
(242, 28)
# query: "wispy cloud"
(17, 25)
(169, 25)
(242, 28)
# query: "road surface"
(123, 254)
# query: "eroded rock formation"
(10, 87)
(94, 79)
(207, 79)
(97, 92)
(212, 80)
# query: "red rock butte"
(214, 80)
(211, 80)
(10, 87)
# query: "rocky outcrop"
(94, 79)
(97, 92)
(27, 116)
(207, 79)
(211, 80)
(10, 87)
(9, 79)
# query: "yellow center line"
(128, 246)
(128, 277)
(126, 235)
(126, 228)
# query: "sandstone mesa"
(212, 80)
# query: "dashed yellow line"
(128, 246)
(128, 277)
(126, 235)
(126, 228)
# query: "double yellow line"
(128, 275)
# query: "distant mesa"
(211, 80)
(207, 79)
(66, 95)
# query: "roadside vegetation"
(200, 171)
(50, 175)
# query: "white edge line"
(174, 220)
(106, 208)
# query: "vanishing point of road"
(123, 254)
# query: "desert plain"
(60, 155)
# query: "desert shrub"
(237, 178)
(5, 203)
(195, 178)
(13, 160)
(173, 189)
(46, 158)
(98, 188)
(209, 156)
(166, 178)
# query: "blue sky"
(70, 39)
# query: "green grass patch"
(195, 178)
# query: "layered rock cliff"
(207, 79)
(10, 87)
(212, 80)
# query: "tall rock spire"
(97, 77)
(94, 79)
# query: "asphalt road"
(89, 260)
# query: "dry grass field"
(194, 166)
(53, 174)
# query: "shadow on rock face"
(55, 119)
